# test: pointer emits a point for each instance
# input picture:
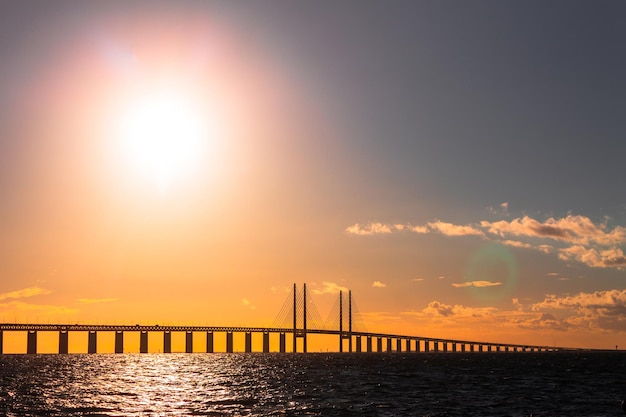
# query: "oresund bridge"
(302, 321)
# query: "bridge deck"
(244, 329)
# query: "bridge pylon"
(299, 333)
(345, 335)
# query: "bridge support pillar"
(379, 344)
(119, 342)
(506, 348)
(389, 348)
(453, 347)
(189, 342)
(369, 344)
(1, 343)
(31, 344)
(463, 347)
(248, 342)
(209, 342)
(167, 342)
(92, 342)
(63, 342)
(426, 345)
(282, 343)
(488, 348)
(471, 347)
(266, 342)
(358, 344)
(480, 348)
(143, 342)
(436, 347)
(445, 346)
(399, 345)
(408, 345)
(229, 342)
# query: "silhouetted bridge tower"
(298, 317)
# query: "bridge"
(295, 309)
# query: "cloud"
(477, 284)
(248, 304)
(19, 307)
(329, 288)
(417, 279)
(96, 300)
(378, 284)
(450, 229)
(599, 310)
(24, 293)
(368, 229)
(439, 309)
(573, 237)
(571, 228)
(607, 258)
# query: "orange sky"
(331, 152)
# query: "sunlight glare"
(163, 135)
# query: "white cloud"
(378, 284)
(248, 304)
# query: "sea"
(564, 383)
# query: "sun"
(163, 134)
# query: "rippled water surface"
(417, 384)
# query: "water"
(257, 384)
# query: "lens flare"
(493, 264)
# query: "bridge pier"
(463, 347)
(92, 342)
(266, 342)
(454, 347)
(248, 342)
(119, 341)
(368, 343)
(358, 344)
(480, 348)
(63, 342)
(143, 341)
(167, 341)
(399, 345)
(408, 345)
(436, 348)
(209, 342)
(188, 342)
(1, 343)
(389, 349)
(229, 342)
(445, 346)
(281, 343)
(426, 345)
(31, 343)
(379, 344)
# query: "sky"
(457, 165)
